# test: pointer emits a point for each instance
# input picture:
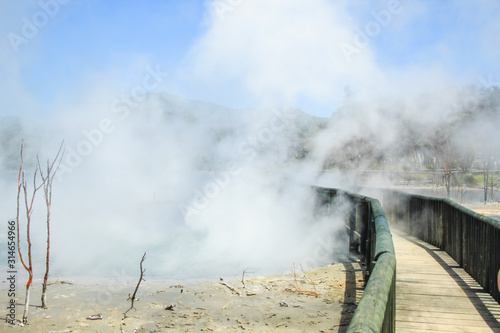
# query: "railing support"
(471, 239)
(370, 236)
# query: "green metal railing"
(369, 236)
(473, 240)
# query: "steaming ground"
(250, 224)
(321, 300)
(209, 191)
(204, 190)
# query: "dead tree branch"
(47, 181)
(19, 187)
(141, 278)
(28, 203)
(234, 290)
(243, 277)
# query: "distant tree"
(483, 124)
(353, 154)
(13, 131)
(10, 138)
(465, 158)
(410, 149)
(441, 145)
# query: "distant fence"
(369, 235)
(473, 240)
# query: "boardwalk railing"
(369, 235)
(473, 240)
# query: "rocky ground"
(321, 300)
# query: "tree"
(29, 200)
(28, 204)
(440, 143)
(47, 181)
(483, 123)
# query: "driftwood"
(95, 316)
(59, 281)
(231, 288)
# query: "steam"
(205, 190)
(209, 190)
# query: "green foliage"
(471, 180)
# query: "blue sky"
(241, 53)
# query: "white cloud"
(282, 51)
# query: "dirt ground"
(491, 209)
(321, 300)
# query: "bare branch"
(141, 278)
(47, 181)
(28, 203)
(20, 178)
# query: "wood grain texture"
(435, 294)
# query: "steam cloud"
(205, 190)
(208, 190)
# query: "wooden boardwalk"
(435, 294)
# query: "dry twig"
(243, 277)
(231, 288)
(298, 289)
(141, 278)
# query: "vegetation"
(458, 152)
(26, 196)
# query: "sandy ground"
(489, 209)
(323, 300)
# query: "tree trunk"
(448, 182)
(47, 189)
(27, 300)
(491, 178)
(486, 181)
(46, 276)
(486, 170)
(485, 186)
(44, 296)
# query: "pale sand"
(488, 209)
(323, 300)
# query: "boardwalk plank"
(422, 327)
(441, 314)
(437, 295)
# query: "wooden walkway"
(435, 294)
